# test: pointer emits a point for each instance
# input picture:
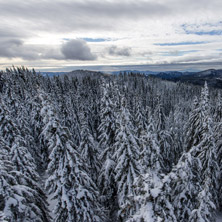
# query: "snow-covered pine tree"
(49, 126)
(22, 159)
(150, 156)
(28, 178)
(178, 194)
(195, 171)
(89, 148)
(8, 128)
(162, 207)
(140, 205)
(217, 118)
(71, 120)
(164, 137)
(107, 118)
(193, 126)
(24, 120)
(21, 199)
(205, 210)
(140, 123)
(126, 157)
(33, 206)
(106, 131)
(206, 207)
(6, 179)
(11, 202)
(36, 125)
(208, 151)
(10, 98)
(75, 193)
(175, 125)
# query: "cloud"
(177, 53)
(15, 48)
(100, 15)
(166, 28)
(70, 50)
(77, 50)
(64, 15)
(10, 47)
(119, 51)
(197, 58)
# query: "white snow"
(148, 212)
(219, 217)
(52, 203)
(155, 192)
(145, 212)
(2, 216)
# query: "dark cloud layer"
(68, 15)
(79, 13)
(77, 50)
(116, 51)
(71, 50)
(15, 48)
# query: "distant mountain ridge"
(75, 73)
(83, 73)
(212, 76)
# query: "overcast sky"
(61, 34)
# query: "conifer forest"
(108, 148)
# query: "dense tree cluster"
(100, 148)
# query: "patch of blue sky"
(91, 39)
(203, 29)
(95, 39)
(180, 43)
(212, 32)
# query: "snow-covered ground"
(219, 217)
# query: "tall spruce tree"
(126, 157)
(89, 148)
(207, 199)
(107, 129)
(69, 183)
(28, 200)
(164, 138)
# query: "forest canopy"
(97, 148)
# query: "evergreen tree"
(178, 194)
(8, 128)
(126, 156)
(150, 156)
(107, 117)
(21, 199)
(72, 188)
(49, 126)
(164, 138)
(107, 130)
(217, 117)
(209, 167)
(69, 183)
(89, 149)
